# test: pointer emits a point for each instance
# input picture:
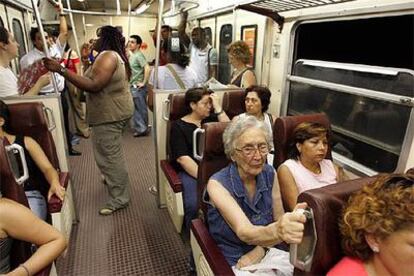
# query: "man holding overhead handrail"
(56, 51)
(203, 57)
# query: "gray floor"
(139, 240)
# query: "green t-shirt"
(137, 62)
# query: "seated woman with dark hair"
(307, 167)
(246, 215)
(198, 104)
(378, 229)
(17, 222)
(36, 160)
(257, 100)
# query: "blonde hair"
(379, 208)
(240, 50)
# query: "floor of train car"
(138, 240)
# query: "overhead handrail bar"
(42, 33)
(72, 22)
(175, 13)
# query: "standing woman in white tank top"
(257, 100)
(307, 167)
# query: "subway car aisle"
(138, 240)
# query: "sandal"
(105, 211)
(153, 190)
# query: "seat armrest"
(211, 251)
(172, 176)
(54, 203)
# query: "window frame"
(349, 164)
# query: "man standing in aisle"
(203, 57)
(139, 79)
(56, 51)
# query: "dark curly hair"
(263, 93)
(112, 39)
(379, 208)
(4, 35)
(177, 57)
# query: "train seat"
(207, 255)
(30, 119)
(327, 203)
(283, 131)
(173, 191)
(233, 103)
(20, 250)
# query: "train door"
(3, 17)
(224, 37)
(17, 26)
(209, 25)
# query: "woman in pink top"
(378, 229)
(307, 167)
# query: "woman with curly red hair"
(378, 229)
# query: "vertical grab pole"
(72, 22)
(157, 62)
(45, 48)
(234, 23)
(129, 18)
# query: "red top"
(70, 64)
(348, 266)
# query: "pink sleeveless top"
(306, 180)
(348, 266)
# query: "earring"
(375, 249)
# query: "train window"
(368, 125)
(226, 36)
(19, 36)
(341, 68)
(209, 35)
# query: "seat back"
(176, 111)
(20, 250)
(327, 204)
(29, 119)
(214, 158)
(283, 131)
(233, 103)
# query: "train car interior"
(346, 64)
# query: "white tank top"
(306, 180)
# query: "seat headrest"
(25, 117)
(233, 103)
(283, 131)
(177, 106)
(213, 142)
(327, 204)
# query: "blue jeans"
(140, 117)
(189, 198)
(37, 203)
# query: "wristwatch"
(62, 70)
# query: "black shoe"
(73, 152)
(136, 134)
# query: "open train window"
(365, 87)
(226, 36)
(18, 35)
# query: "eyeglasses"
(250, 150)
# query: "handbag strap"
(176, 77)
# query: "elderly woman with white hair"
(245, 214)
